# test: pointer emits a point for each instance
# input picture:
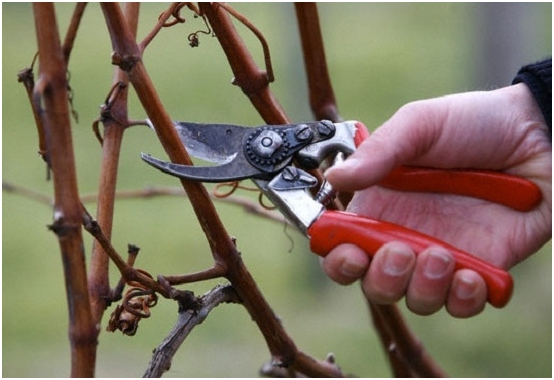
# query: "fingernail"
(436, 265)
(397, 263)
(352, 268)
(465, 288)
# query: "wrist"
(538, 79)
(529, 111)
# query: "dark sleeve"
(538, 77)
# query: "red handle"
(334, 228)
(508, 190)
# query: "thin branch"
(398, 365)
(322, 97)
(192, 313)
(409, 354)
(27, 193)
(127, 271)
(114, 117)
(247, 204)
(310, 367)
(72, 30)
(117, 292)
(27, 77)
(173, 10)
(208, 274)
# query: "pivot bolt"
(267, 143)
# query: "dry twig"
(192, 312)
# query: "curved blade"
(235, 170)
(216, 143)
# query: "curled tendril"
(177, 18)
(136, 305)
(259, 36)
(234, 186)
(138, 302)
(193, 37)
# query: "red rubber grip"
(508, 190)
(334, 228)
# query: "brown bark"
(51, 91)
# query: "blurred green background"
(380, 57)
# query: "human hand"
(497, 130)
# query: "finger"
(431, 281)
(389, 273)
(345, 264)
(468, 294)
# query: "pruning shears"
(278, 157)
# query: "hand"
(500, 130)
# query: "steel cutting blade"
(234, 170)
(215, 143)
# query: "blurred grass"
(380, 56)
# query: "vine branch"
(114, 118)
(51, 91)
(192, 312)
(322, 97)
(247, 204)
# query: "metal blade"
(235, 170)
(216, 143)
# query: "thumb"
(408, 134)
